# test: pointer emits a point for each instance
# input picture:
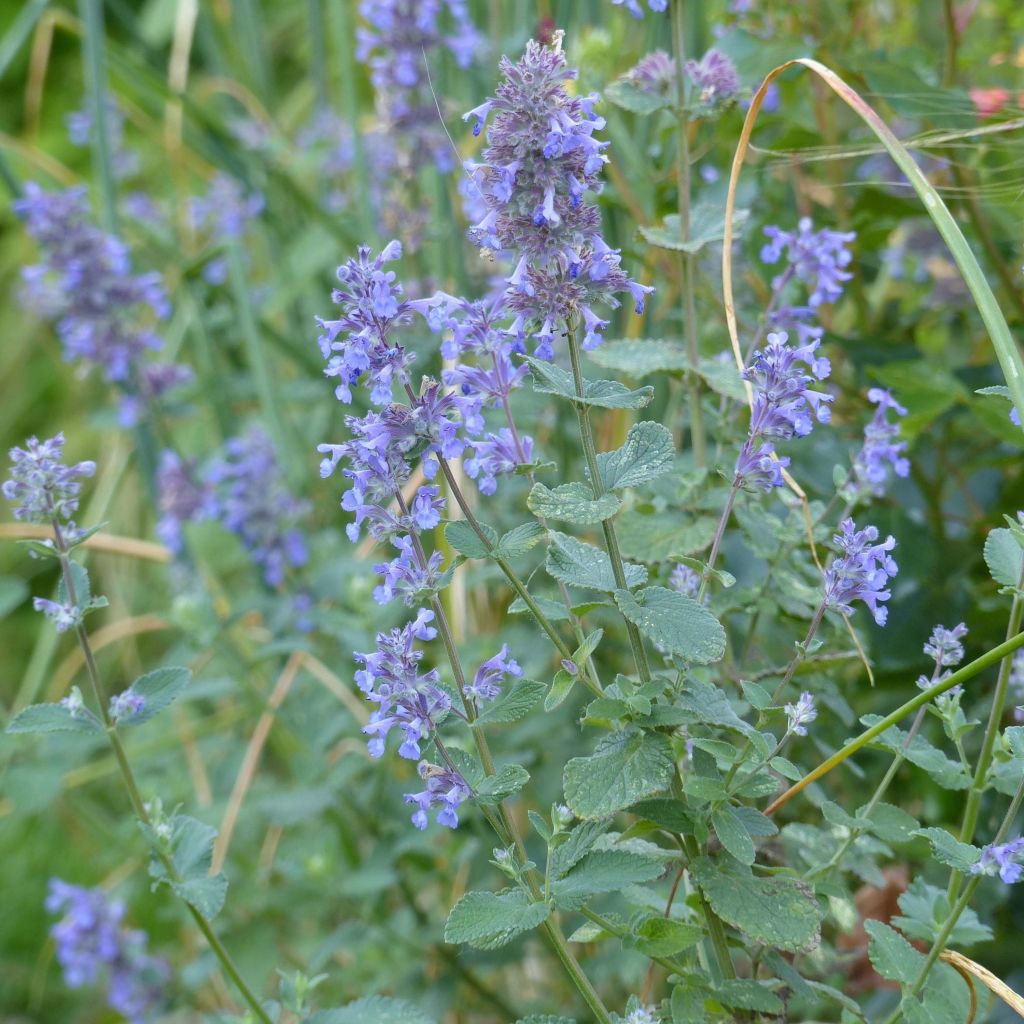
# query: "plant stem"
(995, 718)
(956, 679)
(610, 539)
(723, 521)
(686, 263)
(716, 930)
(134, 796)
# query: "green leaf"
(638, 357)
(553, 610)
(1004, 557)
(731, 831)
(661, 936)
(577, 846)
(948, 850)
(80, 581)
(579, 564)
(675, 622)
(519, 540)
(631, 97)
(465, 540)
(925, 911)
(373, 1010)
(551, 379)
(663, 536)
(747, 994)
(647, 453)
(13, 590)
(709, 704)
(545, 1018)
(891, 824)
(666, 812)
(52, 718)
(707, 225)
(571, 503)
(489, 920)
(944, 1000)
(513, 705)
(190, 847)
(626, 766)
(756, 823)
(891, 955)
(946, 772)
(777, 911)
(723, 378)
(603, 871)
(160, 689)
(506, 781)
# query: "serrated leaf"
(551, 379)
(626, 766)
(581, 840)
(489, 920)
(778, 911)
(944, 1000)
(666, 812)
(925, 911)
(80, 582)
(661, 936)
(663, 536)
(733, 835)
(756, 823)
(710, 704)
(465, 540)
(579, 564)
(891, 824)
(631, 97)
(51, 718)
(190, 847)
(674, 622)
(946, 772)
(515, 704)
(747, 994)
(637, 357)
(948, 850)
(160, 689)
(504, 783)
(571, 503)
(519, 540)
(373, 1010)
(647, 453)
(707, 225)
(891, 955)
(1004, 557)
(602, 871)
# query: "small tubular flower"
(861, 571)
(881, 452)
(800, 713)
(1003, 860)
(818, 258)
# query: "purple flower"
(405, 576)
(1016, 683)
(93, 946)
(800, 713)
(490, 676)
(861, 571)
(123, 162)
(817, 258)
(40, 486)
(685, 580)
(249, 497)
(540, 161)
(785, 406)
(496, 454)
(634, 8)
(654, 73)
(881, 451)
(715, 76)
(63, 614)
(446, 789)
(182, 497)
(944, 646)
(86, 286)
(390, 677)
(1003, 860)
(399, 47)
(224, 214)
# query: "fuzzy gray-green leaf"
(489, 920)
(571, 503)
(675, 622)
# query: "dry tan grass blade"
(968, 968)
(147, 550)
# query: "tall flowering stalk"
(44, 490)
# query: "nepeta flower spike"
(861, 571)
(540, 161)
(1003, 860)
(40, 486)
(800, 713)
(881, 452)
(818, 258)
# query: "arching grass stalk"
(687, 271)
(968, 671)
(610, 539)
(961, 904)
(128, 777)
(988, 742)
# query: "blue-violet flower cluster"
(861, 570)
(540, 161)
(93, 946)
